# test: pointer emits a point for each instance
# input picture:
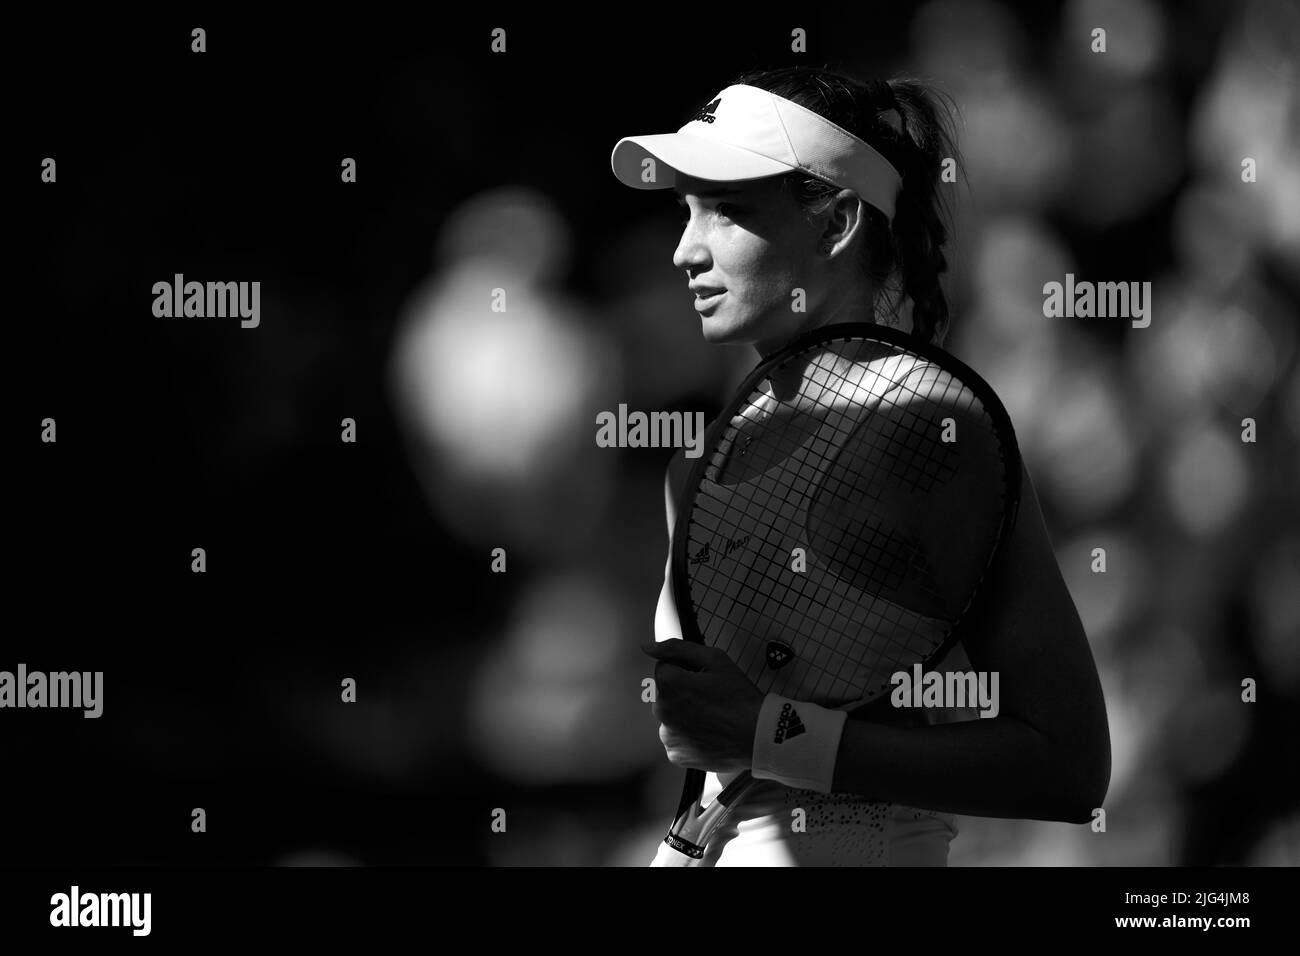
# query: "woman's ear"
(842, 223)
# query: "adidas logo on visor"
(705, 115)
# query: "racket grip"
(667, 856)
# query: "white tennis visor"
(748, 133)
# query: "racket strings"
(772, 511)
(912, 460)
(834, 386)
(859, 415)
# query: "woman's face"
(745, 248)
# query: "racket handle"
(667, 856)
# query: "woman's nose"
(691, 252)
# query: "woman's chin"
(718, 330)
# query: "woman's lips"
(705, 302)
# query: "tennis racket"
(854, 494)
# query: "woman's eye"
(723, 210)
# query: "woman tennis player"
(809, 185)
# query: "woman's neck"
(855, 302)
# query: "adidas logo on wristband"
(788, 724)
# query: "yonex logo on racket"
(788, 724)
(778, 654)
(705, 115)
(684, 846)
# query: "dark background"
(476, 429)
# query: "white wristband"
(796, 743)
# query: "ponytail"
(920, 228)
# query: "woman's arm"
(1047, 754)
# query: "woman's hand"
(706, 707)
